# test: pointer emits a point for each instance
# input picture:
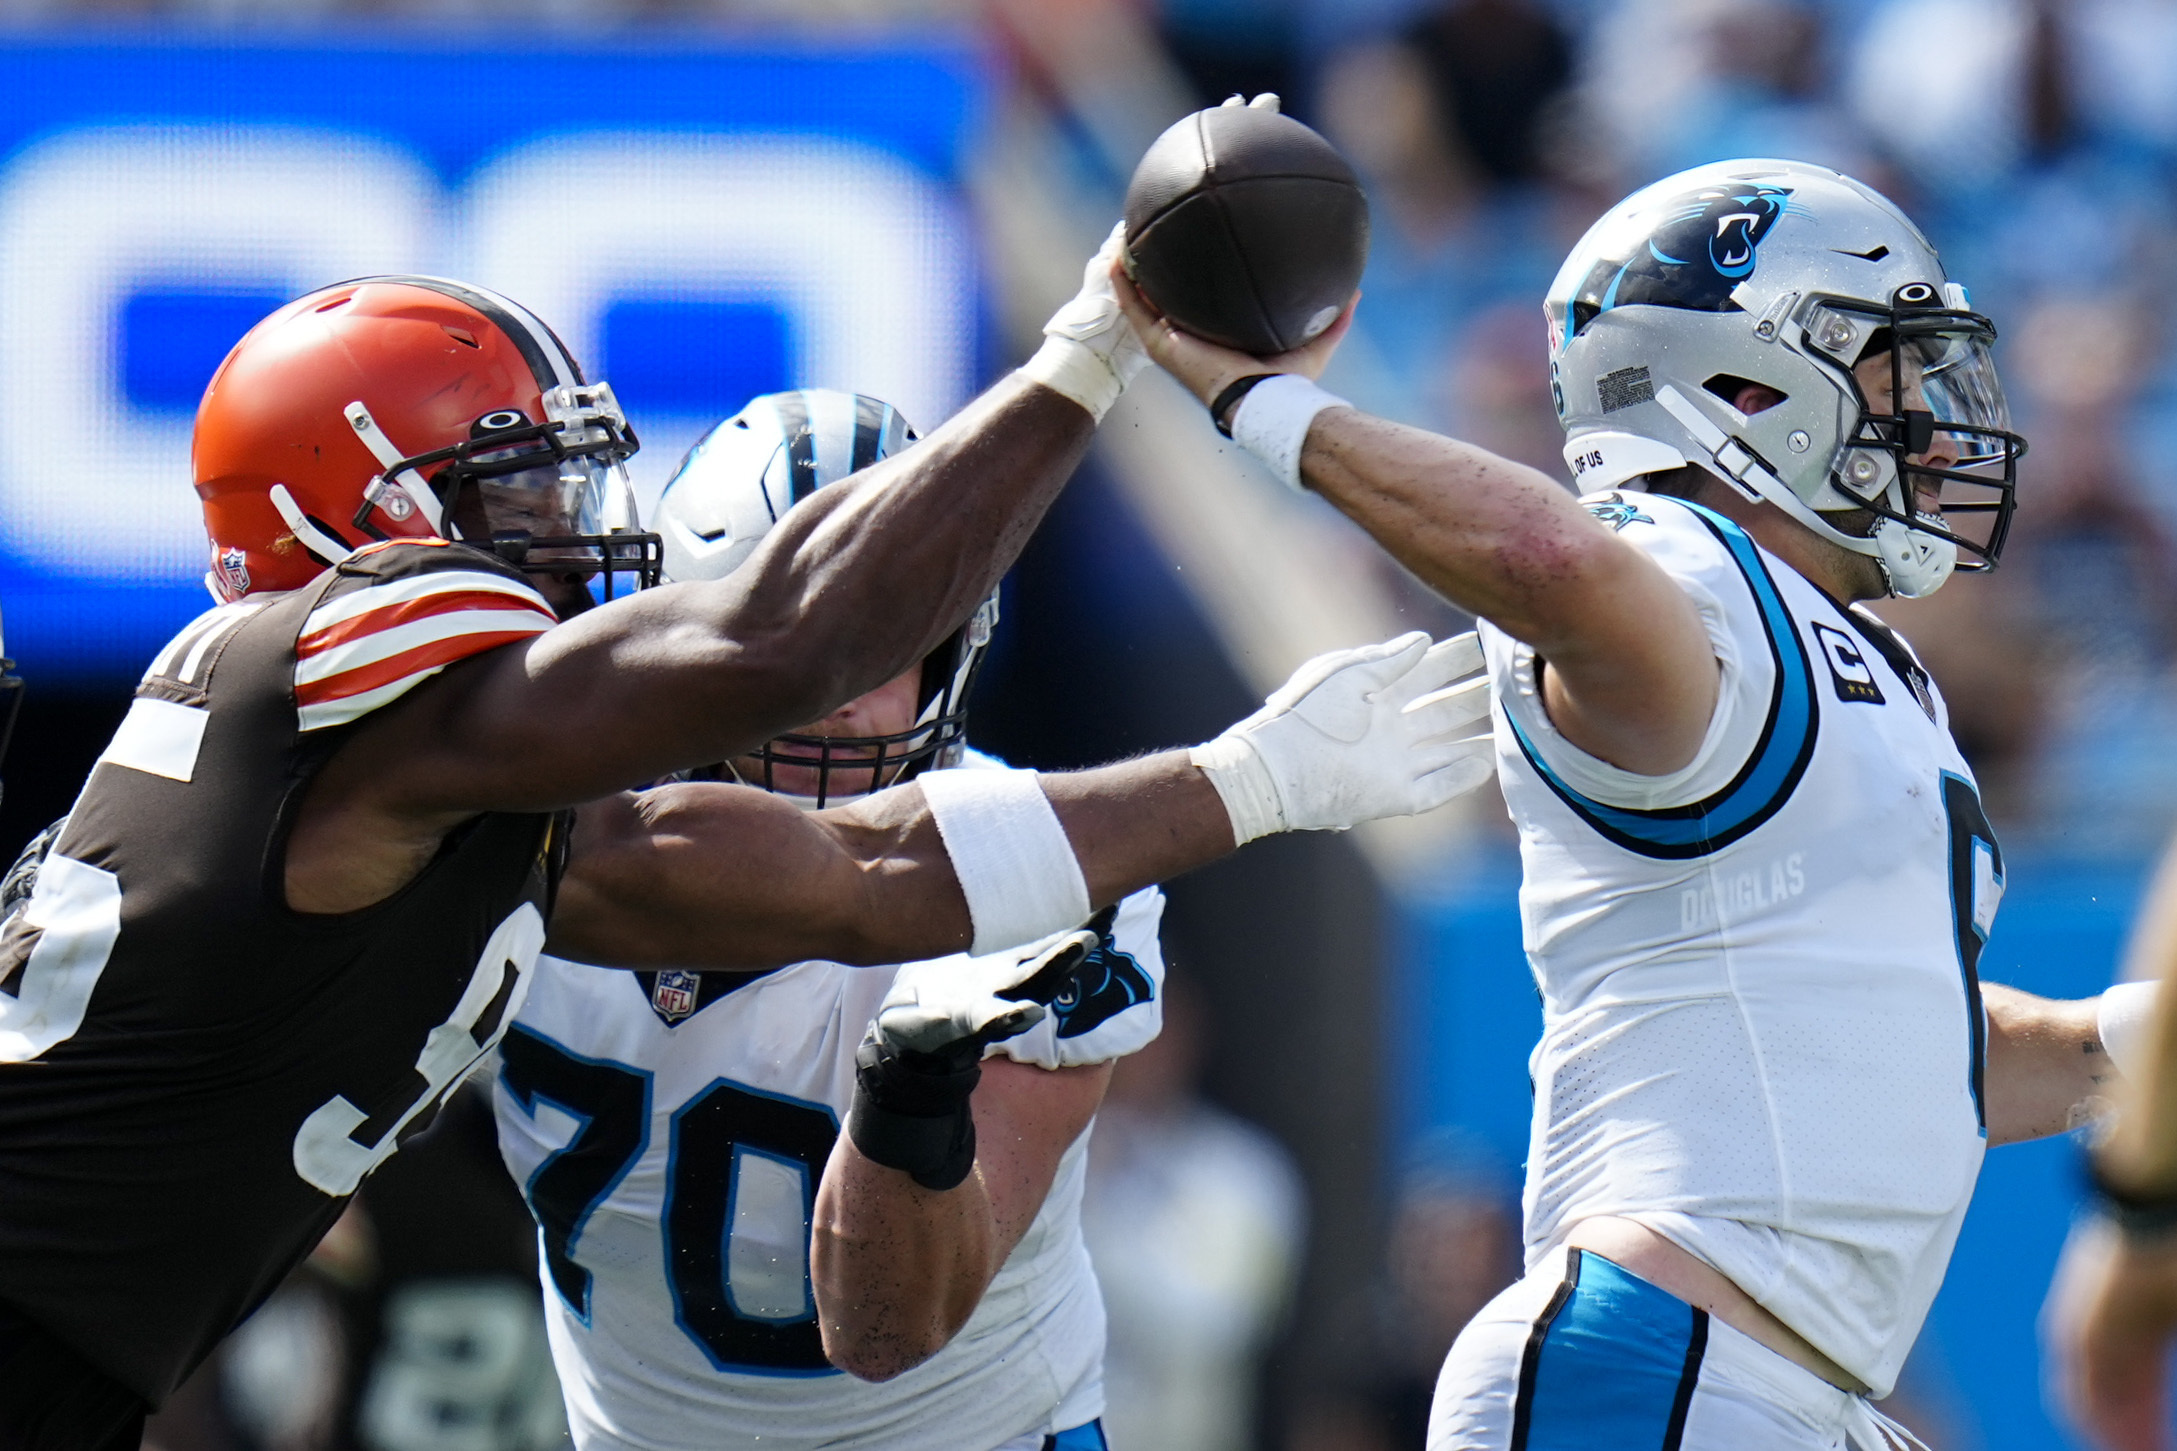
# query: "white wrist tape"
(1272, 421)
(1078, 371)
(2124, 1014)
(1010, 852)
(1244, 784)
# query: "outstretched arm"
(2048, 1072)
(1631, 675)
(727, 877)
(853, 585)
(898, 1268)
(731, 878)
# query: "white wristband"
(2122, 1019)
(1272, 421)
(1010, 852)
(1244, 784)
(1078, 371)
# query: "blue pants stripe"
(1080, 1438)
(1612, 1363)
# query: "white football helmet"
(738, 481)
(1813, 286)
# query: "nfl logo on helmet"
(675, 994)
(233, 568)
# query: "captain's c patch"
(1849, 671)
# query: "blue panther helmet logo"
(1706, 244)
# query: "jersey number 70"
(721, 1139)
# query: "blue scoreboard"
(698, 223)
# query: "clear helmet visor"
(557, 502)
(573, 516)
(1935, 441)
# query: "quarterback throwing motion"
(1757, 875)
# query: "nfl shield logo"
(674, 996)
(234, 570)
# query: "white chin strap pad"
(1914, 561)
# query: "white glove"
(1090, 352)
(961, 1006)
(2122, 1019)
(1384, 730)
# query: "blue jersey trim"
(1612, 1362)
(1773, 768)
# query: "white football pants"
(1581, 1355)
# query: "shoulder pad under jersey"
(396, 613)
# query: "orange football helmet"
(411, 407)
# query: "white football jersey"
(669, 1131)
(1762, 1030)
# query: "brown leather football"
(1246, 228)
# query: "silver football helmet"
(738, 481)
(1891, 439)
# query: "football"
(1246, 228)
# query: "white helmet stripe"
(567, 370)
(793, 411)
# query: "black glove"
(923, 1055)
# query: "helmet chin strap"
(399, 494)
(328, 550)
(1914, 562)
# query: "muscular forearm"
(725, 877)
(1139, 822)
(2047, 1071)
(860, 580)
(732, 879)
(1635, 674)
(897, 1268)
(1494, 537)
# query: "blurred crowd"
(2034, 140)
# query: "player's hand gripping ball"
(1246, 228)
